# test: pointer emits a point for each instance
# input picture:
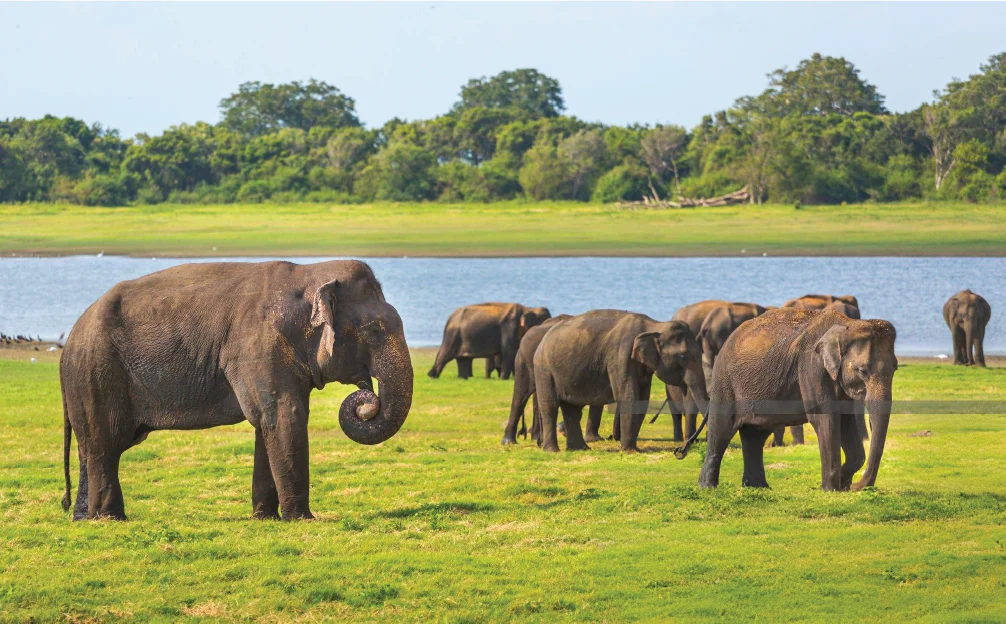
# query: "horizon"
(106, 63)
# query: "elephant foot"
(117, 516)
(630, 449)
(550, 448)
(577, 447)
(507, 440)
(297, 515)
(592, 437)
(265, 515)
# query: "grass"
(508, 229)
(443, 524)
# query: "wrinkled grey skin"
(202, 345)
(523, 387)
(680, 404)
(606, 356)
(967, 314)
(717, 327)
(486, 330)
(843, 308)
(813, 359)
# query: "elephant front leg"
(852, 446)
(284, 431)
(464, 367)
(829, 441)
(632, 411)
(753, 443)
(265, 498)
(594, 413)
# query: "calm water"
(45, 296)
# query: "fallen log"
(737, 197)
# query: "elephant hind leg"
(978, 340)
(464, 367)
(80, 505)
(571, 415)
(548, 406)
(778, 436)
(960, 355)
(753, 443)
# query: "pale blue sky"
(144, 67)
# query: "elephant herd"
(203, 345)
(751, 369)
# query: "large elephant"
(681, 406)
(201, 345)
(486, 330)
(606, 356)
(967, 314)
(717, 327)
(795, 366)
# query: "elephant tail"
(682, 451)
(67, 437)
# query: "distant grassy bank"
(508, 229)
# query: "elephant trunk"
(878, 402)
(695, 380)
(367, 418)
(969, 337)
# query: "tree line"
(818, 133)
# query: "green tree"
(400, 172)
(544, 174)
(526, 90)
(582, 155)
(822, 85)
(661, 149)
(258, 108)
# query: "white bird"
(34, 361)
(101, 253)
(942, 356)
(51, 349)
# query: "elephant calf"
(967, 314)
(606, 356)
(202, 345)
(793, 366)
(486, 330)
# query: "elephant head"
(859, 358)
(533, 317)
(674, 356)
(843, 307)
(362, 339)
(850, 299)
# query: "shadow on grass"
(427, 510)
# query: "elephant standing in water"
(967, 314)
(201, 345)
(682, 407)
(486, 330)
(795, 366)
(606, 356)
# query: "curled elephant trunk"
(368, 418)
(878, 402)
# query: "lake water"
(45, 296)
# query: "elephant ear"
(829, 347)
(645, 350)
(323, 308)
(528, 320)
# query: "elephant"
(486, 330)
(820, 302)
(681, 406)
(201, 345)
(847, 305)
(717, 327)
(967, 314)
(606, 356)
(523, 387)
(794, 366)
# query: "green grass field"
(509, 229)
(443, 524)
